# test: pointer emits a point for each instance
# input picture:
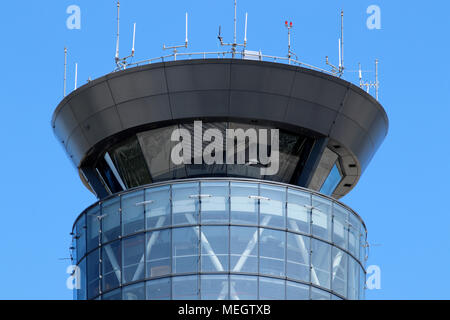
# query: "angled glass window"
(111, 220)
(321, 217)
(133, 258)
(157, 207)
(243, 287)
(185, 242)
(214, 287)
(215, 202)
(185, 203)
(296, 291)
(298, 257)
(244, 203)
(214, 244)
(339, 271)
(93, 227)
(134, 292)
(80, 235)
(273, 206)
(340, 226)
(158, 253)
(244, 249)
(159, 289)
(185, 288)
(298, 211)
(332, 181)
(111, 265)
(93, 274)
(272, 252)
(271, 289)
(320, 263)
(133, 213)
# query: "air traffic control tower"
(165, 229)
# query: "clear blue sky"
(402, 196)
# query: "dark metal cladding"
(291, 97)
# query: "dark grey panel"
(101, 125)
(253, 105)
(91, 100)
(198, 77)
(77, 145)
(65, 123)
(257, 77)
(138, 84)
(199, 104)
(309, 115)
(319, 90)
(144, 110)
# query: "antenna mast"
(340, 69)
(289, 26)
(370, 84)
(185, 45)
(65, 70)
(122, 63)
(234, 45)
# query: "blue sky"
(401, 196)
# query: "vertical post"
(234, 37)
(186, 40)
(118, 31)
(342, 41)
(360, 76)
(65, 69)
(76, 75)
(245, 32)
(134, 39)
(376, 79)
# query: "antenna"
(76, 75)
(340, 68)
(121, 63)
(185, 45)
(65, 70)
(289, 26)
(370, 84)
(234, 45)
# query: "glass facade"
(220, 239)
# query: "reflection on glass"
(159, 289)
(273, 206)
(214, 287)
(80, 235)
(353, 279)
(340, 226)
(320, 263)
(157, 207)
(134, 292)
(158, 253)
(215, 202)
(296, 291)
(93, 227)
(111, 220)
(298, 257)
(299, 212)
(317, 294)
(244, 249)
(214, 244)
(133, 258)
(339, 271)
(185, 288)
(132, 213)
(321, 217)
(185, 200)
(185, 243)
(332, 181)
(271, 289)
(243, 287)
(113, 295)
(111, 265)
(271, 252)
(93, 274)
(244, 203)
